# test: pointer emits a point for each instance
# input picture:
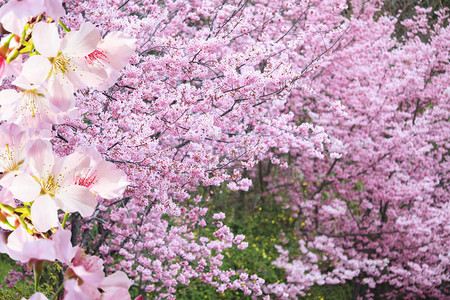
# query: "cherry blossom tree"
(121, 117)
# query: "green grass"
(265, 224)
(47, 286)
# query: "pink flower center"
(89, 262)
(2, 67)
(86, 180)
(97, 56)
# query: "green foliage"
(21, 289)
(265, 223)
(48, 283)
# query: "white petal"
(112, 181)
(119, 46)
(61, 92)
(15, 14)
(36, 69)
(54, 9)
(91, 77)
(118, 280)
(44, 213)
(38, 296)
(8, 96)
(68, 165)
(63, 246)
(12, 23)
(75, 198)
(46, 39)
(81, 42)
(22, 186)
(41, 158)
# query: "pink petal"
(15, 14)
(61, 92)
(8, 96)
(115, 293)
(22, 186)
(82, 42)
(7, 198)
(54, 9)
(41, 158)
(73, 291)
(88, 77)
(24, 247)
(66, 166)
(36, 69)
(63, 246)
(44, 213)
(37, 296)
(112, 181)
(46, 39)
(13, 68)
(88, 268)
(118, 279)
(116, 286)
(119, 46)
(75, 198)
(8, 103)
(3, 242)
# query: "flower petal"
(54, 9)
(119, 46)
(41, 158)
(68, 165)
(85, 291)
(116, 286)
(61, 92)
(63, 246)
(118, 279)
(112, 181)
(75, 198)
(44, 213)
(46, 39)
(15, 14)
(37, 296)
(36, 69)
(24, 247)
(90, 77)
(21, 185)
(8, 96)
(81, 42)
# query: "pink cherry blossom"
(101, 177)
(12, 68)
(86, 280)
(116, 286)
(23, 247)
(16, 13)
(84, 291)
(111, 55)
(323, 106)
(13, 142)
(37, 296)
(61, 61)
(50, 186)
(86, 267)
(29, 108)
(7, 198)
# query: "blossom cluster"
(37, 184)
